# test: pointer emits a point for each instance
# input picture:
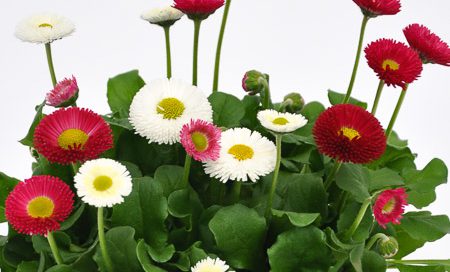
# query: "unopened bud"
(251, 82)
(293, 103)
(388, 246)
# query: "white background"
(306, 46)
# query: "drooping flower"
(38, 205)
(165, 16)
(70, 135)
(244, 155)
(210, 265)
(198, 9)
(103, 182)
(394, 62)
(64, 94)
(390, 206)
(160, 109)
(430, 47)
(374, 8)
(281, 122)
(348, 133)
(44, 28)
(201, 140)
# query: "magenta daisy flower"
(70, 135)
(201, 140)
(390, 206)
(198, 8)
(64, 94)
(38, 205)
(374, 8)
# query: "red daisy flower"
(389, 206)
(394, 62)
(64, 94)
(374, 8)
(429, 46)
(72, 134)
(349, 133)
(38, 205)
(201, 140)
(198, 9)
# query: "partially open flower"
(64, 94)
(164, 17)
(44, 28)
(201, 140)
(374, 8)
(390, 206)
(198, 9)
(210, 265)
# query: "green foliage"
(121, 90)
(337, 98)
(227, 109)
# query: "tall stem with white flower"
(168, 53)
(54, 248)
(102, 240)
(48, 51)
(273, 188)
(219, 46)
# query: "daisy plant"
(215, 87)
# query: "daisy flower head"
(201, 140)
(159, 110)
(198, 9)
(210, 265)
(279, 122)
(430, 47)
(348, 133)
(165, 16)
(103, 182)
(374, 8)
(38, 205)
(64, 94)
(394, 62)
(73, 134)
(244, 155)
(390, 206)
(44, 28)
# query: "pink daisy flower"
(373, 8)
(198, 9)
(390, 206)
(64, 94)
(201, 140)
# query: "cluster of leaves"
(164, 226)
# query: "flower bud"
(293, 102)
(388, 246)
(251, 82)
(64, 94)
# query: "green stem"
(74, 168)
(358, 219)
(187, 169)
(278, 139)
(168, 55)
(102, 240)
(54, 248)
(48, 51)
(377, 96)
(197, 23)
(219, 46)
(267, 102)
(419, 262)
(358, 56)
(396, 111)
(374, 239)
(332, 174)
(236, 191)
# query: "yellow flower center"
(393, 65)
(389, 206)
(200, 141)
(350, 133)
(102, 183)
(72, 138)
(280, 121)
(170, 108)
(241, 152)
(46, 25)
(40, 207)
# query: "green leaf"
(227, 109)
(73, 217)
(17, 250)
(410, 268)
(337, 98)
(28, 266)
(239, 233)
(423, 226)
(170, 177)
(300, 249)
(7, 184)
(356, 255)
(396, 142)
(83, 263)
(121, 90)
(144, 259)
(373, 262)
(384, 178)
(297, 219)
(251, 105)
(28, 140)
(185, 203)
(312, 110)
(354, 179)
(119, 122)
(347, 217)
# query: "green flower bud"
(251, 82)
(293, 103)
(388, 246)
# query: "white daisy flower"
(44, 28)
(165, 16)
(244, 155)
(103, 182)
(160, 109)
(210, 265)
(281, 122)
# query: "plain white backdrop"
(305, 46)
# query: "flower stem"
(102, 240)
(377, 96)
(219, 45)
(48, 51)
(168, 55)
(358, 219)
(374, 239)
(358, 56)
(267, 102)
(197, 23)
(278, 139)
(419, 262)
(236, 191)
(74, 168)
(396, 111)
(187, 169)
(54, 248)
(332, 174)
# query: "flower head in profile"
(103, 182)
(394, 62)
(64, 94)
(44, 28)
(198, 9)
(201, 140)
(390, 206)
(244, 155)
(38, 205)
(348, 133)
(374, 8)
(71, 135)
(159, 110)
(210, 265)
(430, 47)
(165, 16)
(279, 122)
